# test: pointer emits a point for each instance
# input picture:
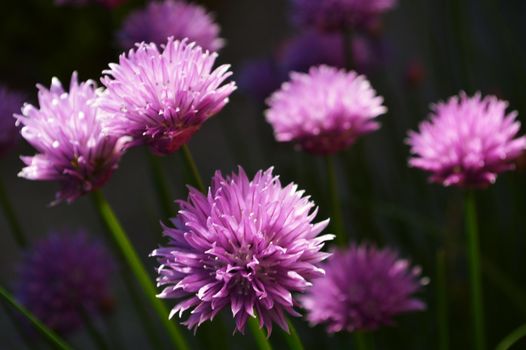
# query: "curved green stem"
(475, 275)
(132, 259)
(12, 220)
(293, 339)
(161, 185)
(190, 163)
(512, 338)
(259, 336)
(53, 339)
(337, 221)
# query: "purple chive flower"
(336, 15)
(467, 141)
(162, 97)
(363, 288)
(10, 102)
(246, 246)
(258, 78)
(325, 110)
(67, 134)
(169, 18)
(62, 276)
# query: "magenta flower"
(467, 142)
(247, 246)
(336, 15)
(363, 288)
(161, 98)
(67, 134)
(324, 111)
(62, 276)
(171, 18)
(10, 102)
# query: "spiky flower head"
(246, 245)
(10, 102)
(363, 288)
(163, 19)
(325, 110)
(62, 276)
(67, 134)
(338, 15)
(468, 141)
(162, 97)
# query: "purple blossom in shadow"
(62, 276)
(363, 289)
(169, 18)
(468, 141)
(246, 246)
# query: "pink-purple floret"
(160, 96)
(246, 246)
(467, 141)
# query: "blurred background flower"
(363, 289)
(64, 276)
(160, 20)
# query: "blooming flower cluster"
(162, 97)
(324, 111)
(63, 276)
(363, 289)
(247, 245)
(67, 134)
(171, 18)
(10, 102)
(468, 141)
(336, 15)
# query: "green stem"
(293, 339)
(442, 312)
(138, 302)
(189, 160)
(132, 259)
(337, 221)
(360, 341)
(259, 336)
(512, 338)
(161, 185)
(12, 220)
(53, 339)
(474, 269)
(94, 333)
